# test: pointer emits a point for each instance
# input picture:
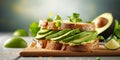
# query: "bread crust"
(68, 25)
(42, 43)
(52, 45)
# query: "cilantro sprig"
(75, 18)
(58, 20)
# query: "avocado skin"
(108, 31)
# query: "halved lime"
(112, 44)
(20, 32)
(15, 42)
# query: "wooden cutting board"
(101, 51)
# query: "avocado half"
(108, 25)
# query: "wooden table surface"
(13, 53)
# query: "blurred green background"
(18, 14)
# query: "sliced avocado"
(79, 41)
(93, 37)
(77, 36)
(87, 42)
(104, 24)
(68, 34)
(57, 34)
(43, 31)
(86, 38)
(42, 36)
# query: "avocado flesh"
(43, 31)
(57, 34)
(87, 42)
(108, 29)
(108, 32)
(93, 37)
(86, 38)
(42, 36)
(77, 36)
(68, 34)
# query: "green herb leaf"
(49, 19)
(101, 38)
(114, 37)
(75, 18)
(58, 24)
(69, 18)
(76, 15)
(78, 20)
(58, 17)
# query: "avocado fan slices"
(43, 31)
(68, 34)
(77, 36)
(57, 34)
(86, 38)
(42, 36)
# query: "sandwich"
(66, 35)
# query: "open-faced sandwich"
(72, 35)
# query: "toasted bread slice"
(84, 47)
(53, 45)
(68, 25)
(42, 43)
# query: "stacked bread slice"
(67, 37)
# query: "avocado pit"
(102, 22)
